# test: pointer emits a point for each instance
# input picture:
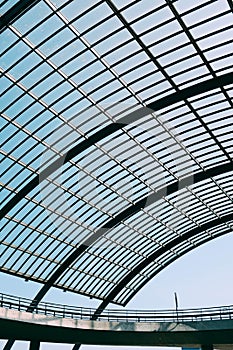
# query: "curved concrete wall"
(28, 326)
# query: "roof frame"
(158, 65)
(24, 5)
(166, 101)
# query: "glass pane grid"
(70, 72)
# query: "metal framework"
(117, 139)
(110, 129)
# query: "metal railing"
(83, 313)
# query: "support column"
(207, 347)
(34, 345)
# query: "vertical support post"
(34, 345)
(176, 304)
(203, 347)
(207, 347)
(76, 346)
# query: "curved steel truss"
(117, 139)
(112, 128)
(14, 12)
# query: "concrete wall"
(28, 326)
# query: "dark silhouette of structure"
(117, 141)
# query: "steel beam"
(207, 347)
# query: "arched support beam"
(170, 245)
(110, 129)
(166, 101)
(104, 304)
(230, 4)
(128, 212)
(16, 12)
(76, 346)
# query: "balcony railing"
(83, 313)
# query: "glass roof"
(117, 138)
